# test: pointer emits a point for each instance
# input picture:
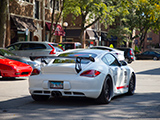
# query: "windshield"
(74, 55)
(5, 52)
(1, 57)
(57, 47)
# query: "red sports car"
(12, 68)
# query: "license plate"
(56, 85)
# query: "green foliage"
(89, 10)
(141, 15)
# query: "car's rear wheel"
(127, 60)
(105, 96)
(40, 97)
(132, 84)
(155, 58)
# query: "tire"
(105, 96)
(155, 58)
(40, 97)
(127, 60)
(132, 84)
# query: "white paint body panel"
(74, 83)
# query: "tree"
(131, 15)
(55, 17)
(3, 14)
(90, 11)
(116, 28)
(143, 16)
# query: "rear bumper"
(73, 86)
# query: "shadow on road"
(150, 72)
(137, 106)
(12, 79)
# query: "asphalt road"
(16, 103)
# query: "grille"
(24, 73)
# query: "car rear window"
(73, 60)
(67, 46)
(57, 47)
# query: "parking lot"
(16, 103)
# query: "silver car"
(35, 48)
(117, 53)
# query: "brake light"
(52, 52)
(90, 73)
(53, 49)
(130, 52)
(35, 72)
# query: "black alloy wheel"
(131, 88)
(105, 96)
(155, 58)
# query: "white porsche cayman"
(83, 73)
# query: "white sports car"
(83, 73)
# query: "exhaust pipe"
(56, 94)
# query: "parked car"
(118, 53)
(88, 73)
(154, 55)
(70, 45)
(35, 48)
(128, 54)
(8, 54)
(12, 68)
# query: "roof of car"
(33, 42)
(112, 49)
(70, 42)
(96, 51)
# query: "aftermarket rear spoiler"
(78, 66)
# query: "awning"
(59, 30)
(92, 34)
(23, 23)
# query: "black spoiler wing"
(78, 66)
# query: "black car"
(128, 54)
(154, 55)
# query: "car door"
(25, 50)
(145, 55)
(119, 72)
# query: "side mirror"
(123, 63)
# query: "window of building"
(56, 4)
(37, 9)
(149, 37)
(26, 0)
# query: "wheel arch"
(110, 83)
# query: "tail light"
(132, 58)
(90, 73)
(130, 52)
(35, 72)
(53, 49)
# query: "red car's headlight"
(90, 73)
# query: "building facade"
(152, 41)
(30, 20)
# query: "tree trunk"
(142, 38)
(3, 14)
(52, 20)
(82, 38)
